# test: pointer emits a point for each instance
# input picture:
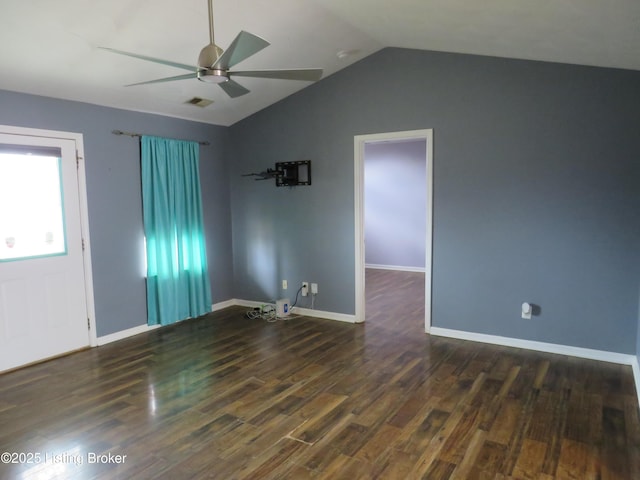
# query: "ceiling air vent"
(199, 102)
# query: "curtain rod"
(131, 134)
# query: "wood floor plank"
(530, 460)
(377, 443)
(397, 464)
(224, 396)
(465, 466)
(318, 416)
(439, 469)
(489, 461)
(322, 455)
(577, 461)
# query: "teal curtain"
(177, 275)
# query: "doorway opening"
(407, 259)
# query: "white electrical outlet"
(284, 284)
(314, 289)
(305, 289)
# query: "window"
(31, 206)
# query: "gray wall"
(395, 195)
(114, 197)
(536, 193)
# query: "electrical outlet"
(314, 289)
(305, 289)
(284, 284)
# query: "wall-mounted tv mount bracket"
(293, 173)
(264, 175)
(287, 174)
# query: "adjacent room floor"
(228, 397)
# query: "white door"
(43, 302)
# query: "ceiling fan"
(214, 63)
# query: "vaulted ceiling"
(50, 48)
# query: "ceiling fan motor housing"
(209, 55)
(213, 76)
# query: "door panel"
(56, 299)
(43, 306)
(14, 302)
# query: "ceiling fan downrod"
(211, 39)
(209, 54)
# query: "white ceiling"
(49, 47)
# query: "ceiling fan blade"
(151, 59)
(308, 74)
(233, 89)
(167, 79)
(243, 46)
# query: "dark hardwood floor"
(228, 397)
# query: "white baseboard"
(130, 332)
(340, 317)
(601, 355)
(636, 375)
(122, 334)
(307, 312)
(238, 302)
(222, 305)
(399, 268)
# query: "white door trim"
(84, 212)
(359, 143)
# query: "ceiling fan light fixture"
(213, 76)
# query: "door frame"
(77, 138)
(359, 147)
